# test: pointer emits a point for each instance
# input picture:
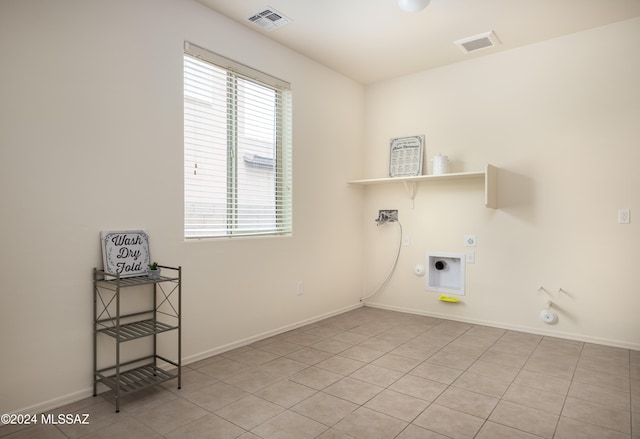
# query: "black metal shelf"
(161, 314)
(136, 379)
(131, 331)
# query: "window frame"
(282, 220)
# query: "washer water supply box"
(446, 272)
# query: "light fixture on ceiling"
(413, 5)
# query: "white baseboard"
(537, 331)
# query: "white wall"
(561, 120)
(91, 140)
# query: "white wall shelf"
(490, 175)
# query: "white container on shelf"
(440, 164)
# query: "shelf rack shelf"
(162, 315)
(490, 176)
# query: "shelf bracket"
(410, 188)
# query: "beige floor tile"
(308, 356)
(503, 358)
(593, 413)
(402, 334)
(127, 427)
(435, 372)
(602, 379)
(609, 365)
(249, 412)
(552, 364)
(283, 367)
(467, 402)
(483, 384)
(486, 333)
(608, 398)
(353, 390)
(525, 419)
(377, 375)
(223, 368)
(191, 380)
(449, 422)
(453, 360)
(635, 403)
(215, 396)
(573, 429)
(285, 393)
(37, 431)
(254, 357)
(351, 337)
(252, 380)
(144, 400)
(303, 339)
(315, 378)
(398, 405)
(396, 362)
(491, 430)
(521, 338)
(363, 354)
(380, 344)
(466, 348)
(369, 424)
(324, 408)
(543, 382)
(488, 369)
(342, 365)
(414, 352)
(332, 346)
(280, 347)
(561, 346)
(430, 343)
(204, 427)
(418, 387)
(514, 347)
(101, 416)
(323, 331)
(289, 425)
(415, 432)
(534, 398)
(334, 434)
(172, 415)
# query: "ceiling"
(373, 40)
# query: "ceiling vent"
(478, 42)
(269, 19)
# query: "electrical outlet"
(624, 216)
(299, 288)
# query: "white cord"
(393, 266)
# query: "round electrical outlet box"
(549, 317)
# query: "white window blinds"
(237, 149)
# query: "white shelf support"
(410, 188)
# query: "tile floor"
(372, 373)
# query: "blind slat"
(237, 167)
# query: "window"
(237, 149)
